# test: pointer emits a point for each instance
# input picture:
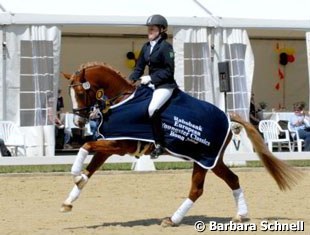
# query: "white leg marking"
(181, 212)
(78, 163)
(74, 194)
(242, 208)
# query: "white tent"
(214, 23)
(274, 14)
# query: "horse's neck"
(114, 84)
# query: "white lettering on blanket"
(186, 131)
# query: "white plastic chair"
(13, 138)
(271, 131)
(296, 139)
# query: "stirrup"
(159, 150)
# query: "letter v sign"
(236, 144)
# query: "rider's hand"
(145, 79)
(94, 114)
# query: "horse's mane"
(103, 64)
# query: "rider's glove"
(146, 79)
(94, 113)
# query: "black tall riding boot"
(158, 135)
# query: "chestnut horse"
(94, 77)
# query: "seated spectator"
(94, 120)
(4, 150)
(254, 119)
(299, 122)
(62, 136)
(60, 104)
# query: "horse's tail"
(285, 175)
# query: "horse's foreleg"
(103, 150)
(76, 170)
(198, 177)
(77, 166)
(96, 162)
(105, 146)
(81, 180)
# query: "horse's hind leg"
(198, 177)
(232, 180)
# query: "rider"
(158, 54)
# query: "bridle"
(102, 101)
(83, 111)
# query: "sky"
(270, 9)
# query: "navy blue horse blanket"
(193, 129)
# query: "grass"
(296, 163)
(126, 166)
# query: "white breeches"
(159, 98)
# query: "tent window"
(196, 59)
(36, 80)
(237, 99)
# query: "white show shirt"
(153, 43)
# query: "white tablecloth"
(67, 120)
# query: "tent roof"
(105, 12)
(262, 13)
(101, 16)
(106, 7)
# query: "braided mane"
(96, 63)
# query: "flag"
(277, 86)
(280, 73)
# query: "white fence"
(230, 159)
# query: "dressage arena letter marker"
(236, 144)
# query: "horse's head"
(82, 95)
(95, 83)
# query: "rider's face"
(153, 32)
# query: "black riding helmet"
(157, 20)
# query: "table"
(67, 120)
(277, 116)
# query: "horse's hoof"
(240, 219)
(65, 208)
(166, 222)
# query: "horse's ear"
(66, 75)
